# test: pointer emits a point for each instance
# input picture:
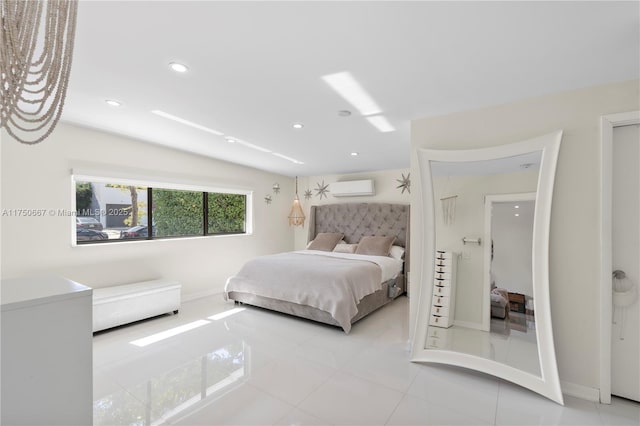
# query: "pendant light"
(296, 215)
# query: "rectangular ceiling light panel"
(347, 87)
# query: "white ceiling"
(257, 67)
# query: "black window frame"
(149, 211)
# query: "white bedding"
(390, 267)
(329, 281)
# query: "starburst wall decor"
(405, 183)
(308, 194)
(322, 189)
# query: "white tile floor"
(260, 368)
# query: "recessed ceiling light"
(516, 207)
(344, 113)
(231, 140)
(298, 125)
(351, 91)
(177, 67)
(517, 214)
(113, 103)
(354, 154)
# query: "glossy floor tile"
(249, 366)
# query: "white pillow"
(345, 248)
(397, 252)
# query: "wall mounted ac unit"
(352, 188)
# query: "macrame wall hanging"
(449, 209)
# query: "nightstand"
(517, 302)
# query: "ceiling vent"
(352, 188)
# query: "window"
(226, 213)
(177, 213)
(107, 212)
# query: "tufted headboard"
(356, 220)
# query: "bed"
(303, 283)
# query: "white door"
(625, 336)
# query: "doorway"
(625, 239)
(608, 123)
(508, 236)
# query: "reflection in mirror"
(480, 306)
(495, 202)
(511, 311)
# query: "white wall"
(38, 177)
(469, 222)
(386, 186)
(575, 219)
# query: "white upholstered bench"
(123, 304)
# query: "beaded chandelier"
(36, 49)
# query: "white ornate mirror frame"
(548, 383)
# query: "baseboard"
(192, 296)
(579, 391)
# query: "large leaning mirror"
(484, 273)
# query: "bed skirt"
(367, 305)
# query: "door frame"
(607, 123)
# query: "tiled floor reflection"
(511, 342)
(181, 389)
(254, 367)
